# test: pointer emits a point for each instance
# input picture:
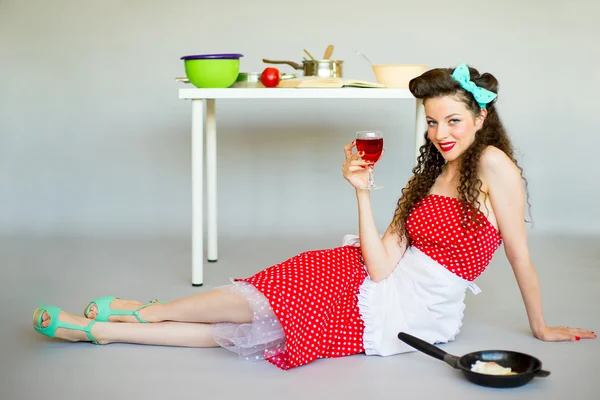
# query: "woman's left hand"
(563, 333)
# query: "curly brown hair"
(437, 83)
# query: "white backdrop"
(93, 139)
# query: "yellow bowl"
(397, 75)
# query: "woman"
(464, 199)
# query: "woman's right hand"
(354, 169)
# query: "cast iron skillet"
(525, 366)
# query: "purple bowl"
(233, 56)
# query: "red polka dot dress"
(436, 229)
(315, 295)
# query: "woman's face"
(451, 126)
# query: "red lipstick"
(447, 146)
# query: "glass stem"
(371, 183)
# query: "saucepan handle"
(290, 63)
(428, 349)
(542, 373)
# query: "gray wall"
(93, 139)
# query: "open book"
(318, 82)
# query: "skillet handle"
(542, 374)
(429, 349)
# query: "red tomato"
(270, 77)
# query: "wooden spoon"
(310, 55)
(328, 52)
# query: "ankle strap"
(88, 331)
(136, 313)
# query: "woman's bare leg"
(210, 307)
(161, 334)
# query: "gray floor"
(68, 272)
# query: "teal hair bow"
(482, 96)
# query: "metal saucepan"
(526, 367)
(321, 68)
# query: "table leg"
(420, 127)
(197, 186)
(211, 178)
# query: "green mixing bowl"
(212, 70)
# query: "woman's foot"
(91, 311)
(70, 334)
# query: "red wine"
(372, 148)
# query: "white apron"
(420, 297)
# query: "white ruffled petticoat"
(262, 338)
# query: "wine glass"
(371, 143)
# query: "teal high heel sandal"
(50, 330)
(104, 310)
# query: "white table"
(200, 97)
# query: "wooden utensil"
(328, 52)
(310, 55)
